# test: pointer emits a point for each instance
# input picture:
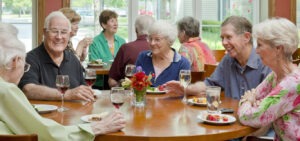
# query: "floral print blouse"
(279, 106)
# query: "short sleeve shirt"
(43, 70)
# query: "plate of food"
(96, 63)
(94, 117)
(198, 101)
(44, 108)
(216, 118)
(156, 90)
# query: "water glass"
(213, 98)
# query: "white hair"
(56, 14)
(164, 28)
(278, 32)
(10, 45)
(143, 23)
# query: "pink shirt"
(280, 106)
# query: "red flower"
(140, 81)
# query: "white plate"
(202, 116)
(44, 108)
(97, 92)
(191, 100)
(156, 91)
(88, 118)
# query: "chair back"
(208, 70)
(197, 76)
(296, 56)
(25, 137)
(219, 54)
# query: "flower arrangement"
(139, 81)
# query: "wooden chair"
(208, 70)
(296, 56)
(197, 76)
(254, 138)
(219, 54)
(25, 137)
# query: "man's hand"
(81, 92)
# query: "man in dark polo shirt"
(128, 53)
(51, 59)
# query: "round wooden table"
(164, 118)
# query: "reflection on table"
(164, 118)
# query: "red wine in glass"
(117, 104)
(62, 88)
(90, 80)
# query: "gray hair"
(10, 45)
(143, 23)
(165, 29)
(56, 14)
(278, 32)
(190, 26)
(8, 28)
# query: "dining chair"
(296, 56)
(255, 138)
(219, 54)
(208, 70)
(24, 137)
(197, 76)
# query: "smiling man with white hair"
(51, 59)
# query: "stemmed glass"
(90, 77)
(62, 84)
(117, 96)
(129, 70)
(185, 80)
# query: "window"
(19, 13)
(172, 10)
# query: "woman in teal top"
(106, 45)
(17, 116)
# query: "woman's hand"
(111, 123)
(174, 87)
(81, 49)
(250, 96)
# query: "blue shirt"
(235, 79)
(170, 73)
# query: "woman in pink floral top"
(192, 47)
(276, 101)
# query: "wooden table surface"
(103, 70)
(164, 118)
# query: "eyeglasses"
(26, 67)
(55, 32)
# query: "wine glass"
(185, 80)
(62, 84)
(129, 70)
(117, 96)
(90, 77)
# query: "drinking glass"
(129, 70)
(117, 96)
(213, 98)
(185, 80)
(62, 84)
(90, 77)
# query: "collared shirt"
(170, 73)
(127, 54)
(99, 49)
(43, 70)
(235, 79)
(197, 53)
(19, 117)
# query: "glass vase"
(139, 98)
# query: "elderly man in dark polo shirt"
(51, 59)
(129, 52)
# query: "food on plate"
(161, 88)
(221, 118)
(199, 100)
(95, 118)
(156, 89)
(96, 62)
